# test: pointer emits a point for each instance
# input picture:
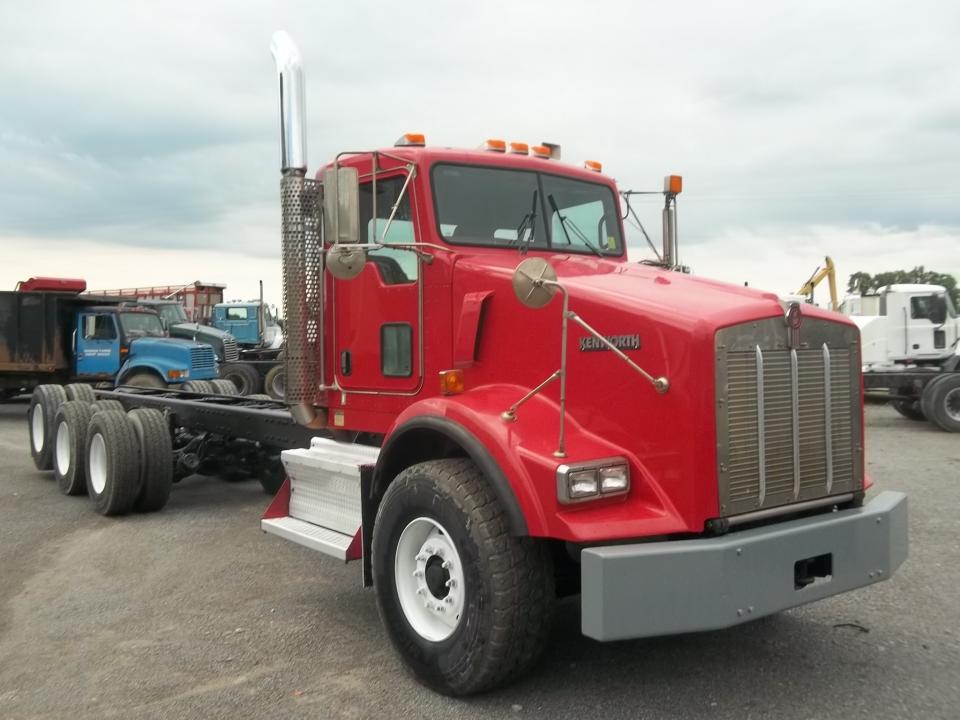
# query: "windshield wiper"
(528, 225)
(573, 226)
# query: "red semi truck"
(504, 410)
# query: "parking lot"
(193, 612)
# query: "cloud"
(153, 125)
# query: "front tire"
(145, 379)
(440, 522)
(910, 409)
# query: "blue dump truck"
(50, 333)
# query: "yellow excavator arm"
(827, 271)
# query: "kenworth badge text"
(700, 464)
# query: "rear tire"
(910, 409)
(945, 402)
(441, 512)
(112, 463)
(70, 459)
(80, 391)
(156, 458)
(223, 387)
(926, 397)
(44, 403)
(275, 382)
(108, 406)
(145, 379)
(245, 377)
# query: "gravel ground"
(194, 613)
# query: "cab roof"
(427, 156)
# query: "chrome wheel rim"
(98, 463)
(63, 448)
(429, 579)
(37, 425)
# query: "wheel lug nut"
(429, 550)
(421, 591)
(448, 600)
(418, 573)
(421, 558)
(451, 583)
(447, 565)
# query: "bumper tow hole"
(812, 570)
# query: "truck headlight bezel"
(593, 480)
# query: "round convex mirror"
(345, 262)
(533, 282)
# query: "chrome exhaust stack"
(301, 241)
(293, 104)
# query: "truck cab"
(129, 345)
(915, 323)
(253, 324)
(174, 318)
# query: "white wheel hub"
(63, 448)
(429, 579)
(97, 463)
(37, 426)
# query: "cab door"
(97, 345)
(376, 314)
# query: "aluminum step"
(329, 542)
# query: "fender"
(157, 366)
(461, 437)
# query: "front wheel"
(910, 409)
(466, 604)
(945, 403)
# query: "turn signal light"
(411, 140)
(541, 151)
(673, 184)
(519, 148)
(451, 382)
(495, 145)
(177, 374)
(593, 165)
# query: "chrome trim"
(563, 472)
(828, 416)
(761, 436)
(795, 407)
(749, 517)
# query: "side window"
(396, 350)
(929, 307)
(237, 313)
(394, 265)
(99, 327)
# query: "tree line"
(864, 283)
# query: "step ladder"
(323, 504)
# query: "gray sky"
(138, 141)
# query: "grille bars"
(761, 432)
(828, 416)
(795, 412)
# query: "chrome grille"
(230, 351)
(788, 420)
(202, 358)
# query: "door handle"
(345, 362)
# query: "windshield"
(141, 324)
(173, 314)
(497, 206)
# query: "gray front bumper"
(663, 588)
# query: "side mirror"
(341, 205)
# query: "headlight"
(592, 480)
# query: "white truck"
(909, 335)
